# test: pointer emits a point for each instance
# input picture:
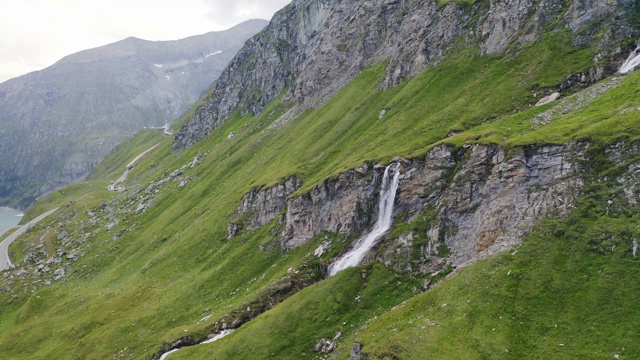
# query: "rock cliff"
(480, 200)
(312, 48)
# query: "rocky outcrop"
(313, 48)
(480, 200)
(264, 67)
(261, 206)
(494, 199)
(342, 205)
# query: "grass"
(339, 304)
(171, 265)
(608, 118)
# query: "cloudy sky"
(36, 33)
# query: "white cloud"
(233, 12)
(36, 33)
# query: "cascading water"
(217, 337)
(633, 61)
(383, 223)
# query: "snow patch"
(213, 53)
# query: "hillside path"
(131, 165)
(5, 263)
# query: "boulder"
(58, 274)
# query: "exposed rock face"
(485, 201)
(56, 124)
(343, 205)
(260, 207)
(313, 48)
(492, 200)
(266, 65)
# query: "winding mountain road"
(5, 263)
(131, 165)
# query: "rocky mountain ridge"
(57, 123)
(313, 48)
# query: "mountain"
(380, 179)
(59, 122)
(313, 49)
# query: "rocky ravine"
(313, 48)
(56, 124)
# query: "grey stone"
(58, 274)
(319, 251)
(356, 352)
(22, 273)
(141, 207)
(232, 231)
(61, 234)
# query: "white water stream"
(633, 61)
(217, 337)
(383, 223)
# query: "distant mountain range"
(56, 124)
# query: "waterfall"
(383, 223)
(632, 61)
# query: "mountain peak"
(89, 101)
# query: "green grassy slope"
(337, 305)
(170, 266)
